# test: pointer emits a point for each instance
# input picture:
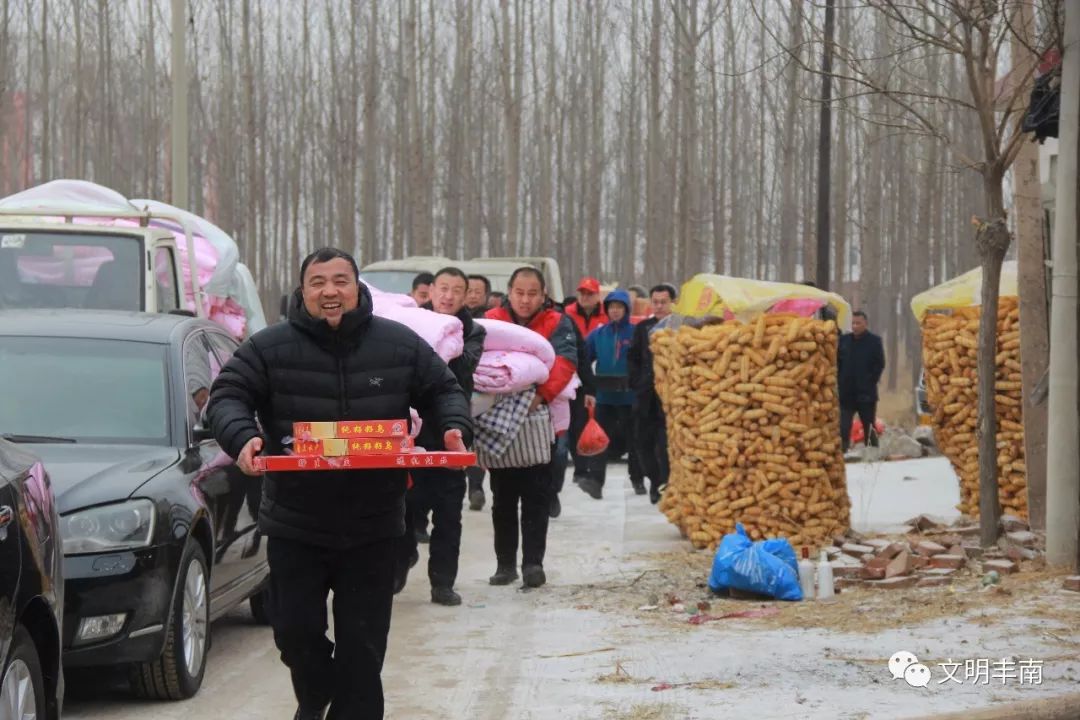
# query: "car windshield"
(40, 269)
(390, 281)
(88, 390)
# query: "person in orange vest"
(587, 313)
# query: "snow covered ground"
(884, 495)
(582, 647)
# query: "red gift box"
(350, 429)
(337, 447)
(402, 461)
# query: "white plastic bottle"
(806, 575)
(824, 578)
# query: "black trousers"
(652, 439)
(441, 493)
(560, 460)
(346, 673)
(531, 488)
(867, 412)
(617, 423)
(578, 417)
(476, 479)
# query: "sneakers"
(477, 500)
(592, 487)
(534, 576)
(639, 487)
(445, 596)
(504, 575)
(556, 507)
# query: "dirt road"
(582, 648)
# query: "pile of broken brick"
(931, 554)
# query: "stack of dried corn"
(950, 363)
(753, 429)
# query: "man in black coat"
(861, 361)
(566, 443)
(439, 490)
(332, 530)
(650, 424)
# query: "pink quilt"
(509, 337)
(443, 333)
(503, 372)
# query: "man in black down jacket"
(651, 426)
(860, 361)
(332, 530)
(440, 490)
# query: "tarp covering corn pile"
(752, 414)
(949, 315)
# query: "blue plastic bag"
(766, 567)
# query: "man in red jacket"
(532, 486)
(588, 312)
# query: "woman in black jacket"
(332, 361)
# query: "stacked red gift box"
(358, 444)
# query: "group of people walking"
(355, 533)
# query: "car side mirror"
(201, 434)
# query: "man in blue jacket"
(609, 348)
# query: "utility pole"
(1062, 476)
(825, 153)
(179, 159)
(1031, 253)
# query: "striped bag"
(531, 446)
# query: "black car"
(157, 523)
(31, 589)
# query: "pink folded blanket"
(509, 337)
(504, 372)
(443, 333)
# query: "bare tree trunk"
(510, 72)
(46, 134)
(594, 181)
(653, 146)
(250, 239)
(788, 203)
(992, 240)
(420, 239)
(455, 186)
(370, 208)
(547, 119)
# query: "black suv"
(158, 524)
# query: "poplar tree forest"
(634, 140)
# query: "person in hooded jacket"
(609, 348)
(441, 490)
(333, 360)
(532, 487)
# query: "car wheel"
(178, 673)
(260, 606)
(22, 688)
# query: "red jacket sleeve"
(558, 379)
(563, 339)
